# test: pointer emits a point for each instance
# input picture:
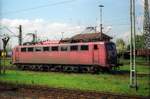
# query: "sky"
(49, 18)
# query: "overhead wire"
(4, 27)
(37, 7)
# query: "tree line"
(123, 47)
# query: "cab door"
(16, 54)
(95, 54)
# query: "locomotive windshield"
(111, 46)
(111, 53)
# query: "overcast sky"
(51, 17)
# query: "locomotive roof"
(61, 44)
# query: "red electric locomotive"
(84, 56)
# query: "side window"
(95, 47)
(30, 49)
(54, 48)
(23, 49)
(84, 47)
(63, 48)
(38, 49)
(45, 48)
(73, 48)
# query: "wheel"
(95, 70)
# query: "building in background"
(88, 37)
(90, 34)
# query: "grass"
(100, 82)
(140, 69)
(138, 60)
(141, 65)
(7, 62)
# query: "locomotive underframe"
(62, 67)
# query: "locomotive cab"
(111, 54)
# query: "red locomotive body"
(69, 56)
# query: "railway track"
(9, 91)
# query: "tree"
(121, 46)
(139, 40)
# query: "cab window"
(95, 47)
(110, 46)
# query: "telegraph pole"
(20, 34)
(146, 28)
(133, 80)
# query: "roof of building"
(89, 37)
